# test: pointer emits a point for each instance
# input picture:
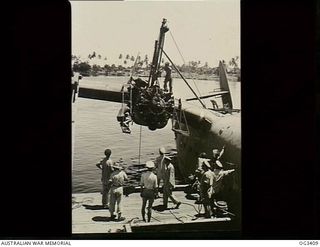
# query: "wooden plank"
(170, 222)
(89, 217)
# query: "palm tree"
(139, 61)
(234, 62)
(146, 60)
(92, 56)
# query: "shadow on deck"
(92, 218)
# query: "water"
(96, 129)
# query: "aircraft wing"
(98, 90)
(101, 94)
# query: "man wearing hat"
(206, 188)
(217, 167)
(160, 166)
(105, 165)
(168, 77)
(202, 157)
(117, 179)
(149, 187)
(199, 171)
(218, 175)
(169, 183)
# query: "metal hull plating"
(204, 130)
(210, 130)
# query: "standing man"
(106, 166)
(168, 77)
(117, 179)
(169, 183)
(218, 175)
(148, 189)
(202, 157)
(160, 167)
(199, 171)
(206, 188)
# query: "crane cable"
(134, 65)
(174, 41)
(140, 143)
(129, 82)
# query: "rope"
(177, 47)
(134, 65)
(140, 144)
(199, 207)
(155, 219)
(184, 61)
(163, 213)
(177, 218)
(225, 211)
(131, 220)
(170, 213)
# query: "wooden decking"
(89, 217)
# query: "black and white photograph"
(160, 120)
(156, 117)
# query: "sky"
(208, 31)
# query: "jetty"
(88, 216)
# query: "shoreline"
(233, 78)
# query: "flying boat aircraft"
(197, 129)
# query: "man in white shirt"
(206, 188)
(160, 166)
(218, 174)
(117, 179)
(105, 165)
(169, 183)
(149, 187)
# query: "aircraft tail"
(224, 91)
(224, 86)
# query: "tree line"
(141, 64)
